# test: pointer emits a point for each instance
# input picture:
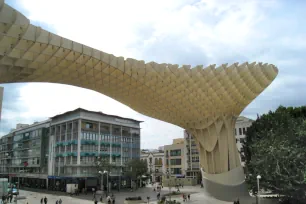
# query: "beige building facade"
(174, 158)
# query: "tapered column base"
(226, 186)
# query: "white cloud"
(45, 100)
(173, 31)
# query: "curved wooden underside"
(204, 101)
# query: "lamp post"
(258, 193)
(169, 185)
(100, 172)
(107, 190)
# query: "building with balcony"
(24, 154)
(155, 161)
(78, 137)
(241, 127)
(174, 158)
(64, 149)
(192, 160)
(6, 146)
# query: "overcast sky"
(171, 31)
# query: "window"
(244, 131)
(241, 140)
(195, 159)
(235, 131)
(240, 131)
(116, 130)
(175, 161)
(88, 125)
(176, 152)
(176, 170)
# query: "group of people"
(109, 199)
(8, 198)
(237, 201)
(185, 197)
(45, 201)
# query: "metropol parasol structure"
(204, 101)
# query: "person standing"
(60, 201)
(41, 200)
(113, 199)
(46, 200)
(148, 198)
(3, 198)
(94, 196)
(189, 197)
(56, 202)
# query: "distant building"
(63, 149)
(192, 160)
(242, 125)
(174, 158)
(155, 161)
(24, 154)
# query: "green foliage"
(275, 149)
(103, 164)
(136, 168)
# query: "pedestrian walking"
(108, 199)
(56, 202)
(94, 196)
(95, 202)
(46, 200)
(101, 198)
(188, 196)
(148, 198)
(41, 200)
(60, 201)
(113, 199)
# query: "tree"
(275, 149)
(103, 164)
(136, 168)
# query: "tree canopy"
(275, 149)
(136, 168)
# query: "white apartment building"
(242, 125)
(155, 162)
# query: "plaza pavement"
(198, 196)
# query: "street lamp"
(100, 172)
(169, 185)
(107, 190)
(258, 194)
